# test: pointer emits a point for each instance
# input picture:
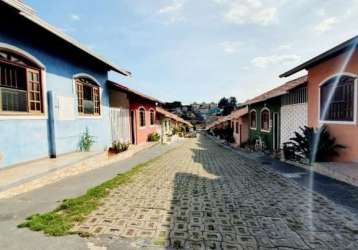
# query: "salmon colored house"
(332, 94)
(142, 116)
(240, 125)
(238, 121)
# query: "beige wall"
(119, 116)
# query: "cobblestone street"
(202, 196)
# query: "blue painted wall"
(25, 140)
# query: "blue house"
(51, 89)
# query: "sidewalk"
(343, 171)
(15, 209)
(35, 174)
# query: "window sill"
(265, 131)
(253, 128)
(338, 122)
(96, 117)
(22, 116)
(142, 127)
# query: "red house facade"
(143, 119)
(142, 116)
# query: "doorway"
(276, 131)
(240, 133)
(132, 126)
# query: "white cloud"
(231, 47)
(248, 11)
(173, 7)
(264, 61)
(284, 47)
(75, 17)
(173, 11)
(326, 24)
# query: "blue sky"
(201, 50)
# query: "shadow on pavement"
(340, 192)
(228, 202)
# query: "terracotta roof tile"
(132, 91)
(172, 116)
(280, 90)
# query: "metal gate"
(120, 124)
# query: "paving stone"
(230, 246)
(195, 245)
(201, 196)
(213, 245)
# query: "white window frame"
(253, 110)
(263, 130)
(355, 99)
(150, 118)
(145, 118)
(25, 116)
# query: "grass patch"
(160, 242)
(62, 219)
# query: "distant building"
(195, 106)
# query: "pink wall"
(243, 121)
(346, 134)
(141, 133)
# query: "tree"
(227, 105)
(173, 105)
(233, 101)
(227, 110)
(223, 102)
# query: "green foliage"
(244, 144)
(60, 221)
(86, 141)
(251, 142)
(173, 105)
(304, 144)
(227, 105)
(118, 147)
(225, 134)
(179, 130)
(153, 137)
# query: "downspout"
(51, 125)
(162, 130)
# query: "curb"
(93, 162)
